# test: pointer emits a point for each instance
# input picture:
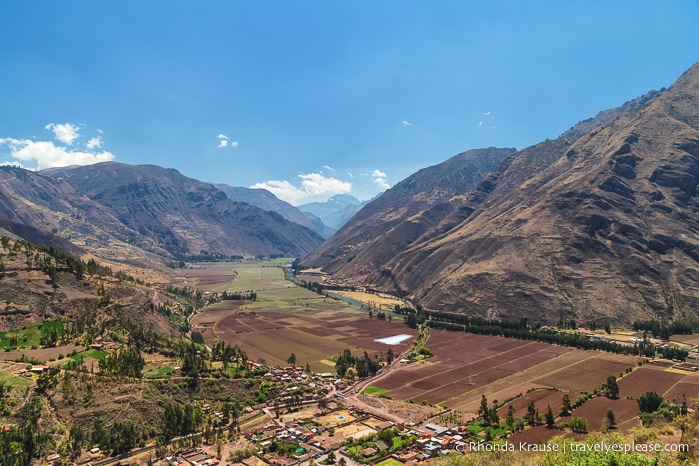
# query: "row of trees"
(663, 329)
(522, 331)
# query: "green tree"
(549, 417)
(532, 414)
(484, 411)
(567, 407)
(611, 388)
(292, 359)
(510, 419)
(649, 402)
(578, 425)
(610, 420)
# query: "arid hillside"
(601, 223)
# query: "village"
(325, 429)
(312, 421)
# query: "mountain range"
(131, 212)
(332, 213)
(600, 224)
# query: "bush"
(649, 402)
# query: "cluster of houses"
(312, 441)
(194, 457)
(433, 441)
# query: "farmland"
(467, 365)
(286, 319)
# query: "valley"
(537, 297)
(271, 356)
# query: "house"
(381, 445)
(384, 425)
(432, 450)
(409, 456)
(437, 429)
(369, 451)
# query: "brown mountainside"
(166, 211)
(388, 225)
(594, 225)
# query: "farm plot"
(595, 410)
(274, 336)
(537, 434)
(466, 366)
(213, 276)
(687, 388)
(541, 399)
(585, 375)
(287, 319)
(647, 378)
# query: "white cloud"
(314, 188)
(224, 141)
(487, 113)
(480, 123)
(94, 143)
(379, 178)
(406, 123)
(66, 132)
(45, 154)
(328, 168)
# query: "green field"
(374, 390)
(162, 372)
(390, 462)
(11, 381)
(29, 336)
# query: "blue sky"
(315, 98)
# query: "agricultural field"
(287, 319)
(235, 276)
(375, 300)
(467, 366)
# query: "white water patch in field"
(394, 340)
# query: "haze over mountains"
(334, 212)
(601, 223)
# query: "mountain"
(164, 211)
(50, 212)
(599, 224)
(265, 200)
(387, 225)
(334, 212)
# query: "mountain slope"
(184, 216)
(596, 225)
(386, 226)
(265, 200)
